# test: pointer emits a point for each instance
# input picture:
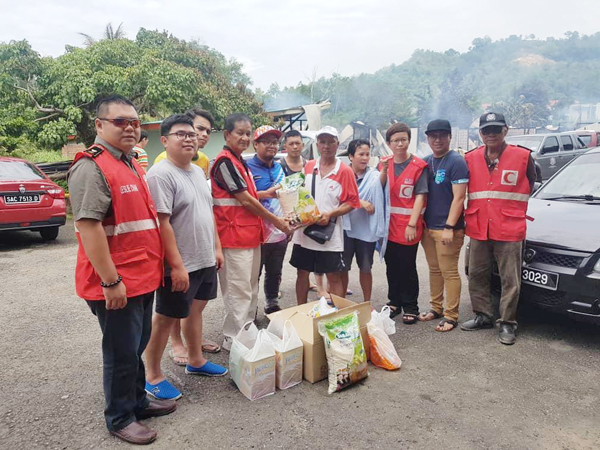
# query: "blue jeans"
(125, 334)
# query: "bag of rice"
(346, 357)
(297, 204)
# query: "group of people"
(168, 234)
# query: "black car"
(561, 261)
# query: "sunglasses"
(494, 129)
(122, 122)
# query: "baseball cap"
(328, 130)
(492, 119)
(438, 125)
(266, 129)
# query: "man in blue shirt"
(444, 218)
(268, 174)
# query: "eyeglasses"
(399, 141)
(268, 143)
(494, 129)
(181, 135)
(200, 128)
(123, 122)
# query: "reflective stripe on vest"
(403, 211)
(226, 202)
(128, 227)
(499, 195)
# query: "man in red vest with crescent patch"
(119, 263)
(239, 217)
(501, 180)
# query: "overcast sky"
(287, 41)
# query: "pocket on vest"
(247, 221)
(514, 225)
(129, 257)
(472, 218)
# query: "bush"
(21, 147)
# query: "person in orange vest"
(405, 179)
(119, 263)
(501, 179)
(239, 216)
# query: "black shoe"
(479, 322)
(395, 311)
(506, 334)
(272, 308)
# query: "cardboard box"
(315, 361)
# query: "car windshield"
(19, 171)
(531, 142)
(586, 139)
(578, 180)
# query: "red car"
(29, 200)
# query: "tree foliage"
(48, 99)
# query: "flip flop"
(443, 322)
(210, 347)
(183, 360)
(436, 315)
(313, 287)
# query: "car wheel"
(49, 234)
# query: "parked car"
(550, 151)
(561, 255)
(589, 138)
(29, 200)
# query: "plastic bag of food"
(383, 353)
(252, 362)
(289, 351)
(322, 308)
(297, 204)
(346, 357)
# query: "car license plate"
(540, 278)
(21, 198)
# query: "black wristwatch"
(448, 227)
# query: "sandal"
(443, 322)
(409, 319)
(210, 346)
(178, 359)
(433, 315)
(394, 311)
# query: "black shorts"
(203, 286)
(364, 253)
(316, 261)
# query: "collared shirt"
(265, 177)
(227, 176)
(337, 187)
(89, 192)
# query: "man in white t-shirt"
(192, 254)
(336, 194)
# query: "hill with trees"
(529, 79)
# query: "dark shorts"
(315, 261)
(363, 250)
(203, 286)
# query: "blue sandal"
(208, 370)
(163, 391)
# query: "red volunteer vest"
(402, 200)
(497, 204)
(237, 227)
(132, 231)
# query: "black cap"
(492, 119)
(438, 125)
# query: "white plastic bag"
(322, 308)
(383, 353)
(252, 362)
(289, 351)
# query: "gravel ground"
(455, 390)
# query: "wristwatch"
(448, 227)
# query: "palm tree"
(109, 33)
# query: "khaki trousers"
(443, 271)
(509, 256)
(239, 286)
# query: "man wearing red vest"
(501, 179)
(239, 216)
(119, 263)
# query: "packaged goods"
(383, 353)
(322, 308)
(252, 362)
(289, 351)
(346, 356)
(296, 202)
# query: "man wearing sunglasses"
(119, 263)
(501, 180)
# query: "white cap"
(328, 130)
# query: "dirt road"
(455, 390)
